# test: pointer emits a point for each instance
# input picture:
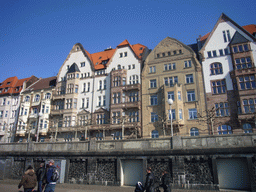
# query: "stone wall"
(17, 169)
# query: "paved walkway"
(12, 186)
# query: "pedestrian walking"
(52, 176)
(150, 181)
(28, 180)
(40, 173)
(165, 180)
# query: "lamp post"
(170, 101)
(123, 119)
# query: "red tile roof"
(13, 85)
(101, 59)
(250, 28)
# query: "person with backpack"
(40, 173)
(52, 177)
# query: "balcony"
(132, 87)
(238, 72)
(118, 106)
(33, 115)
(56, 97)
(129, 105)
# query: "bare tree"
(209, 118)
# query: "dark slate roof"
(238, 38)
(73, 68)
(42, 84)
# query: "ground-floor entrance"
(131, 171)
(233, 173)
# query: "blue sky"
(36, 36)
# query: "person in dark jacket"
(28, 180)
(50, 184)
(150, 181)
(40, 173)
(165, 179)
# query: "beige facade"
(172, 71)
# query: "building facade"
(228, 61)
(97, 95)
(172, 71)
(9, 105)
(35, 109)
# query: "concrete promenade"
(11, 186)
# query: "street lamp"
(170, 101)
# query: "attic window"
(140, 54)
(97, 63)
(82, 64)
(180, 51)
(141, 48)
(1, 90)
(158, 55)
(77, 48)
(169, 53)
(174, 52)
(99, 57)
(8, 83)
(17, 88)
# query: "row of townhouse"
(131, 91)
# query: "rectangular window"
(99, 100)
(235, 50)
(209, 54)
(243, 63)
(152, 69)
(247, 82)
(88, 87)
(179, 95)
(228, 34)
(87, 102)
(43, 108)
(153, 100)
(47, 109)
(246, 48)
(120, 55)
(82, 64)
(82, 104)
(221, 109)
(104, 100)
(189, 78)
(221, 52)
(172, 115)
(75, 103)
(153, 83)
(224, 36)
(226, 51)
(187, 63)
(191, 95)
(180, 114)
(1, 114)
(192, 113)
(125, 54)
(154, 117)
(6, 113)
(170, 95)
(249, 105)
(218, 86)
(214, 53)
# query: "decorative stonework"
(77, 172)
(158, 167)
(106, 171)
(17, 170)
(198, 172)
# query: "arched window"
(216, 68)
(154, 134)
(47, 95)
(224, 129)
(37, 98)
(118, 66)
(194, 131)
(247, 128)
(27, 98)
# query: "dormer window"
(97, 63)
(77, 48)
(100, 57)
(141, 48)
(8, 83)
(82, 64)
